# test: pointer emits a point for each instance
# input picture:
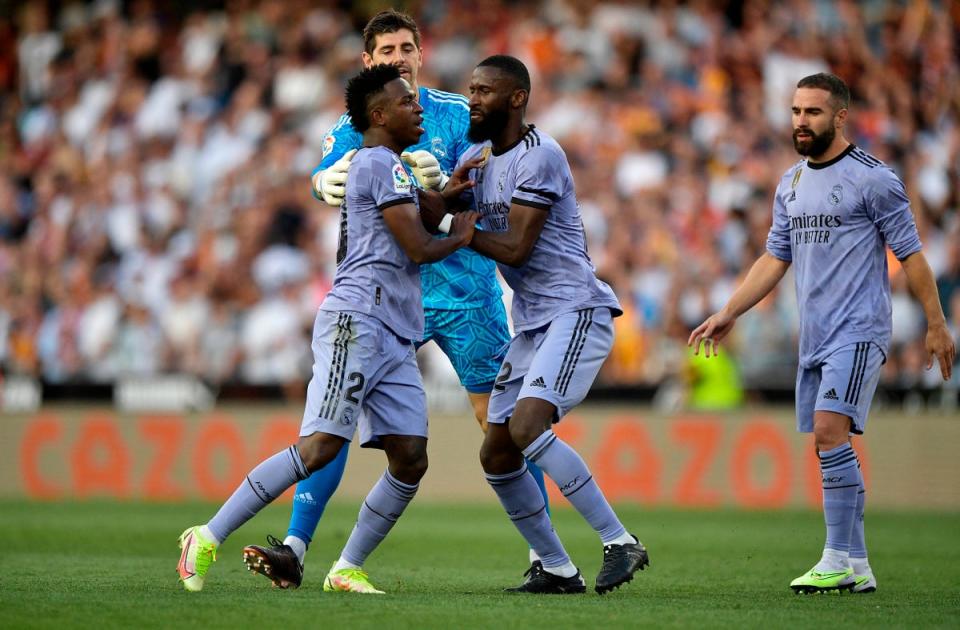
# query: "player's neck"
(376, 138)
(510, 137)
(838, 146)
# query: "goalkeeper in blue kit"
(462, 299)
(834, 215)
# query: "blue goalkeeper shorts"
(474, 339)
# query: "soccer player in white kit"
(834, 214)
(363, 343)
(563, 321)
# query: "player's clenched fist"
(425, 168)
(331, 183)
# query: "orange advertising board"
(753, 459)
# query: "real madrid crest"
(836, 195)
(346, 416)
(438, 148)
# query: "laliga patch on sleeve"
(401, 181)
(328, 143)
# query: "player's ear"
(376, 116)
(840, 118)
(519, 99)
(367, 60)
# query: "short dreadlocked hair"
(362, 87)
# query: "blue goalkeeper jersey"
(465, 279)
(833, 221)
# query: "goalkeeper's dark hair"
(364, 86)
(389, 21)
(839, 92)
(512, 66)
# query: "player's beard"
(818, 142)
(492, 123)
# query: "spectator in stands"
(139, 144)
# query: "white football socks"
(861, 566)
(206, 533)
(625, 538)
(299, 547)
(833, 560)
(564, 570)
(343, 564)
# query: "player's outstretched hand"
(711, 332)
(458, 182)
(452, 190)
(461, 174)
(331, 185)
(940, 344)
(426, 168)
(463, 225)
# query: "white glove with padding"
(331, 183)
(426, 168)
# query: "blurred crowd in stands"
(155, 205)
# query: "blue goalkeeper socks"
(312, 495)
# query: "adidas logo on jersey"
(831, 395)
(538, 382)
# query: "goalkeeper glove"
(426, 169)
(331, 183)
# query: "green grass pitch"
(112, 565)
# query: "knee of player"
(829, 437)
(828, 442)
(524, 431)
(318, 449)
(409, 462)
(489, 458)
(498, 454)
